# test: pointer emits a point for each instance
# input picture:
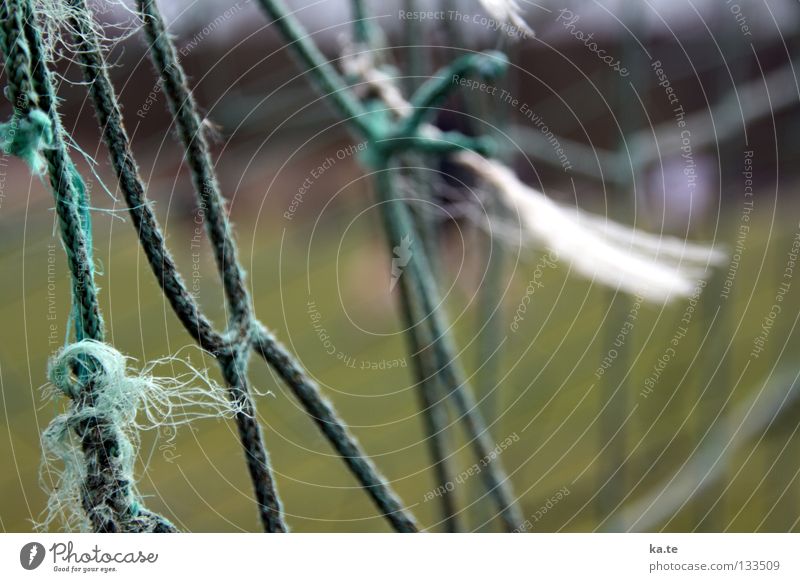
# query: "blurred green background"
(548, 395)
(713, 446)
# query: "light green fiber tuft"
(25, 136)
(122, 402)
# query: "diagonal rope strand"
(116, 138)
(190, 130)
(337, 432)
(183, 303)
(240, 320)
(434, 414)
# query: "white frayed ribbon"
(657, 268)
(509, 12)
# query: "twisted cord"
(64, 179)
(398, 223)
(106, 494)
(104, 403)
(116, 138)
(330, 84)
(152, 240)
(359, 65)
(29, 130)
(433, 407)
(184, 111)
(19, 86)
(434, 415)
(189, 125)
(387, 140)
(106, 490)
(234, 371)
(336, 431)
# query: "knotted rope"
(108, 399)
(389, 133)
(102, 415)
(102, 477)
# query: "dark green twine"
(35, 134)
(227, 347)
(105, 403)
(387, 138)
(108, 496)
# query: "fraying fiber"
(624, 258)
(55, 17)
(25, 136)
(659, 268)
(90, 450)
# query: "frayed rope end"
(119, 402)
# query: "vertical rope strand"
(106, 492)
(234, 371)
(240, 321)
(64, 179)
(432, 409)
(398, 223)
(152, 239)
(432, 406)
(396, 216)
(361, 27)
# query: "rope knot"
(90, 450)
(26, 136)
(85, 364)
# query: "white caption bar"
(378, 557)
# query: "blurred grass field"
(567, 419)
